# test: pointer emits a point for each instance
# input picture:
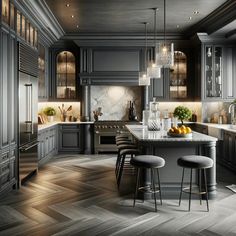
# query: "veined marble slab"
(141, 133)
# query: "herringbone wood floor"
(77, 195)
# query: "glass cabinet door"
(213, 71)
(178, 76)
(5, 11)
(65, 76)
(41, 72)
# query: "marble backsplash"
(114, 101)
(212, 110)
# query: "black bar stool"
(123, 154)
(200, 163)
(148, 162)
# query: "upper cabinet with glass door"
(65, 75)
(178, 76)
(213, 72)
(5, 11)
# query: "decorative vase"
(50, 118)
(63, 118)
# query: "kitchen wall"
(195, 107)
(114, 101)
(75, 112)
(212, 110)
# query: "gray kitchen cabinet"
(8, 107)
(159, 87)
(199, 128)
(177, 82)
(63, 75)
(70, 138)
(218, 72)
(227, 156)
(47, 147)
(43, 72)
(110, 65)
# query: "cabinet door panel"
(4, 96)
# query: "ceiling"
(126, 16)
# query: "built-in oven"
(105, 141)
(105, 133)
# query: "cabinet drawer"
(70, 127)
(4, 178)
(4, 157)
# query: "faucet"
(232, 113)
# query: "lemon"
(188, 129)
(171, 130)
(178, 131)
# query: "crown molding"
(222, 16)
(42, 17)
(117, 39)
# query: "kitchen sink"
(216, 130)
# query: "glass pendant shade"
(144, 79)
(165, 55)
(154, 70)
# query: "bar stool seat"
(200, 163)
(195, 162)
(148, 162)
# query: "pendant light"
(144, 79)
(165, 52)
(154, 70)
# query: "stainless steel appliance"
(105, 133)
(28, 109)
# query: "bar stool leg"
(154, 188)
(200, 185)
(190, 192)
(120, 171)
(137, 185)
(181, 188)
(159, 184)
(204, 172)
(118, 163)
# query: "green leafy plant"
(49, 111)
(182, 113)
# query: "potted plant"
(50, 112)
(182, 113)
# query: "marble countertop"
(51, 124)
(142, 134)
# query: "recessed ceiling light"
(196, 12)
(72, 16)
(190, 18)
(67, 5)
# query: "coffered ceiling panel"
(125, 16)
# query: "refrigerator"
(28, 126)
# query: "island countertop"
(141, 133)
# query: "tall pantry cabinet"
(8, 110)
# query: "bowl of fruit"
(182, 131)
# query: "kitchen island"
(171, 148)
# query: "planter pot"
(50, 118)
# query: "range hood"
(110, 65)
